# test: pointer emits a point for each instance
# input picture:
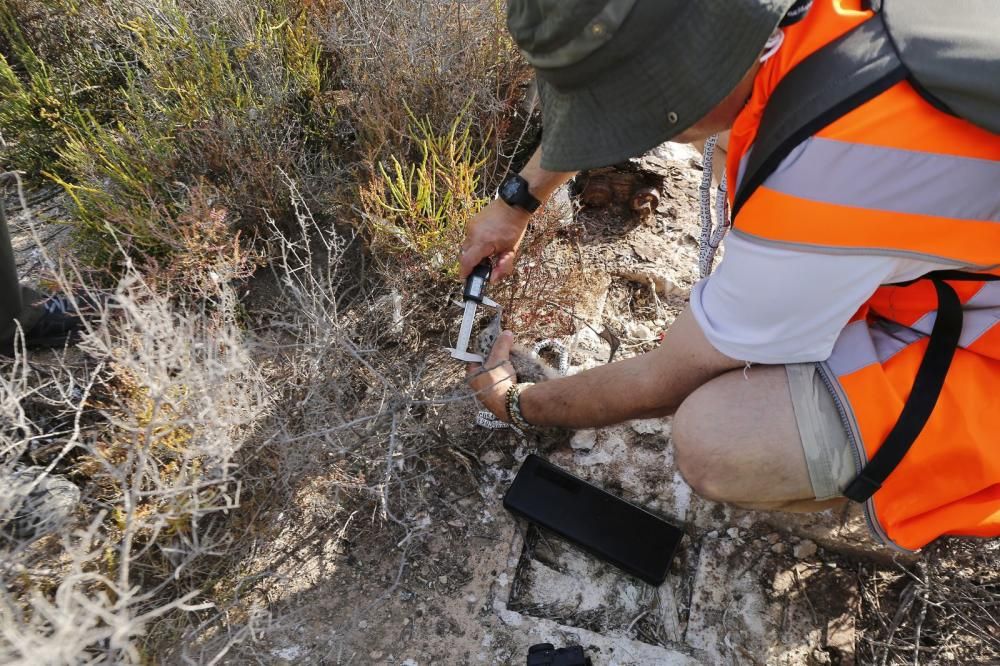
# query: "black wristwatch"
(514, 192)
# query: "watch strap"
(523, 198)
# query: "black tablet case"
(623, 534)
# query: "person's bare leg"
(736, 441)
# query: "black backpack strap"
(927, 385)
(831, 82)
(923, 397)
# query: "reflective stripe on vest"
(857, 197)
(877, 341)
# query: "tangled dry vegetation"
(332, 150)
(185, 424)
(266, 198)
(943, 610)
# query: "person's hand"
(495, 231)
(491, 380)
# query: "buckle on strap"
(861, 488)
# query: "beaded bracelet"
(514, 405)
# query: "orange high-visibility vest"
(896, 176)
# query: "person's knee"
(694, 451)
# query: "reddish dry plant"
(540, 298)
(206, 251)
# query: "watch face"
(510, 189)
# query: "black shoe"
(36, 503)
(60, 324)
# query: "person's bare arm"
(646, 386)
(496, 231)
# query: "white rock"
(804, 549)
(511, 618)
(663, 284)
(820, 657)
(616, 440)
(587, 339)
(783, 582)
(562, 204)
(583, 440)
(638, 331)
(733, 532)
(289, 653)
(647, 426)
(677, 152)
(590, 458)
(491, 457)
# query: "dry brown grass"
(943, 610)
(185, 423)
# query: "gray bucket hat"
(618, 77)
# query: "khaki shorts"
(829, 457)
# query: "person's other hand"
(495, 231)
(491, 380)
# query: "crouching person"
(847, 347)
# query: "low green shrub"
(416, 211)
